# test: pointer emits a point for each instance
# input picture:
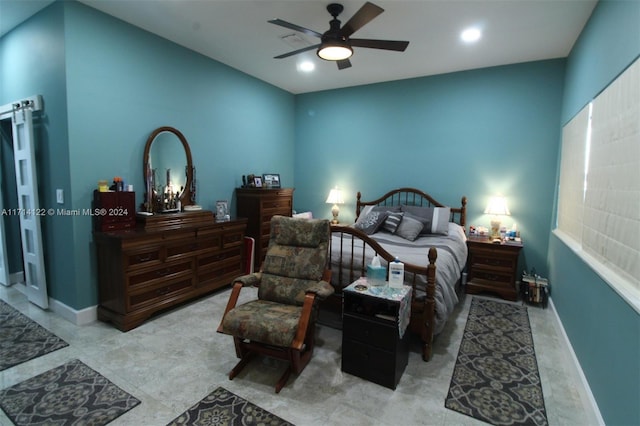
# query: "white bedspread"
(451, 260)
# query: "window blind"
(572, 175)
(599, 184)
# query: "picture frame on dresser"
(271, 180)
(222, 210)
(257, 181)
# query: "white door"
(28, 205)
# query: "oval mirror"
(168, 171)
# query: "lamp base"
(334, 211)
(495, 229)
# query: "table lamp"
(497, 207)
(335, 198)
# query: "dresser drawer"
(181, 249)
(169, 270)
(232, 239)
(279, 203)
(154, 294)
(220, 274)
(373, 333)
(491, 275)
(143, 257)
(204, 260)
(497, 261)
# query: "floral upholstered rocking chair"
(293, 279)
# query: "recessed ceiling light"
(471, 35)
(306, 66)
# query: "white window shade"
(572, 175)
(611, 232)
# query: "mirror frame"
(185, 197)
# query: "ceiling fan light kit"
(335, 52)
(335, 43)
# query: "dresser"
(163, 263)
(258, 205)
(375, 341)
(492, 267)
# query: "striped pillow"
(392, 221)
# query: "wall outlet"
(60, 196)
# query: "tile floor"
(176, 359)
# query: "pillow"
(368, 209)
(409, 227)
(392, 221)
(371, 222)
(434, 219)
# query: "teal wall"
(604, 330)
(107, 85)
(32, 61)
(475, 133)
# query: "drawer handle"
(146, 258)
(163, 291)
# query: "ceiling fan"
(336, 44)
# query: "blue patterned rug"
(496, 376)
(22, 339)
(72, 394)
(223, 408)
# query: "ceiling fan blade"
(399, 46)
(362, 17)
(295, 52)
(295, 27)
(345, 63)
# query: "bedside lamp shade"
(497, 207)
(335, 198)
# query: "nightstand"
(375, 340)
(492, 267)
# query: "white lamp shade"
(335, 197)
(498, 207)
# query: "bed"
(434, 252)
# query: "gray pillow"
(368, 209)
(392, 221)
(371, 222)
(434, 219)
(409, 227)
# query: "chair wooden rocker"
(293, 279)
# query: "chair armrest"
(249, 279)
(322, 289)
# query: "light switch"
(60, 196)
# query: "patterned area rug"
(223, 408)
(72, 394)
(22, 339)
(496, 376)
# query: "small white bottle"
(396, 274)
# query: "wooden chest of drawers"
(113, 210)
(492, 267)
(258, 205)
(141, 272)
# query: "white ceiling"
(236, 33)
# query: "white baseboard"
(77, 317)
(583, 378)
